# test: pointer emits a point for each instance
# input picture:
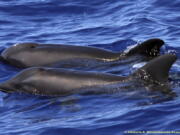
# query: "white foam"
(129, 48)
(172, 51)
(139, 65)
(176, 66)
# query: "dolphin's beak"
(5, 87)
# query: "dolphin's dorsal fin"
(149, 47)
(157, 70)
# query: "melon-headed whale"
(48, 55)
(57, 81)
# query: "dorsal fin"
(157, 70)
(149, 47)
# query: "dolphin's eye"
(32, 46)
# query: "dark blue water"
(113, 25)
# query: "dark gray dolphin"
(56, 81)
(32, 55)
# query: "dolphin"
(26, 55)
(57, 82)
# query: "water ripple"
(113, 25)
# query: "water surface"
(113, 25)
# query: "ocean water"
(114, 25)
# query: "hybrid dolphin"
(57, 82)
(32, 54)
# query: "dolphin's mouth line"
(6, 90)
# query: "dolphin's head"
(20, 82)
(16, 53)
(35, 80)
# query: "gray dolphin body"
(32, 55)
(56, 82)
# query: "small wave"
(113, 25)
(45, 9)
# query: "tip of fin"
(157, 70)
(149, 47)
